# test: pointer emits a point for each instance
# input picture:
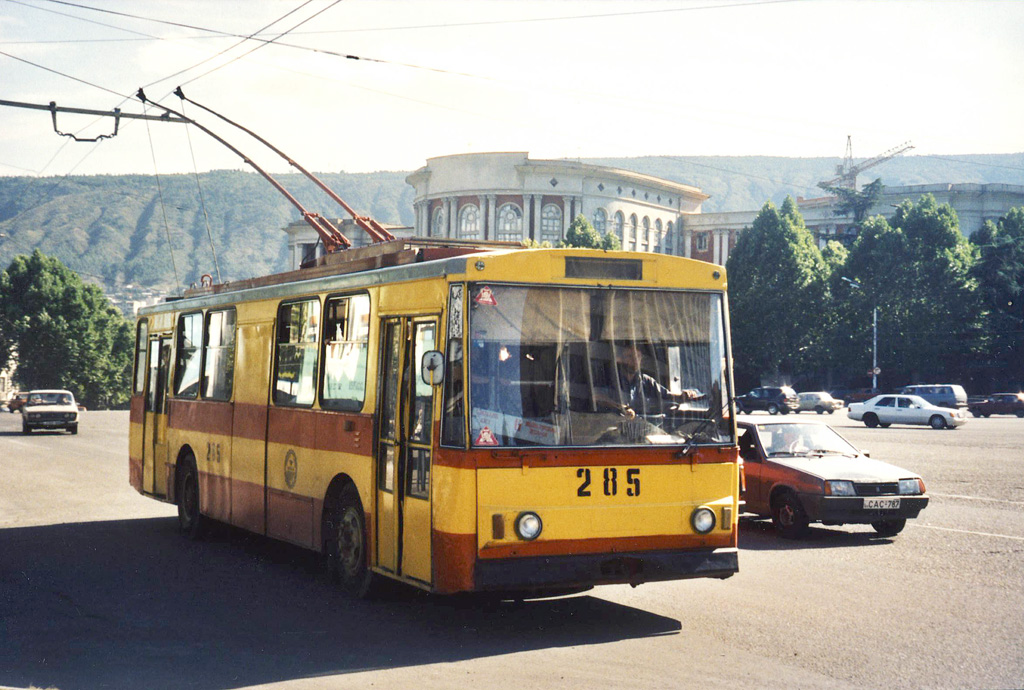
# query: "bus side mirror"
(432, 367)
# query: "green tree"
(916, 269)
(1000, 275)
(65, 333)
(857, 203)
(582, 234)
(778, 292)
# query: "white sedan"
(883, 410)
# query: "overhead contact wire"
(163, 210)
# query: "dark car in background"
(851, 395)
(999, 403)
(773, 400)
(939, 394)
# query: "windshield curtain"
(596, 367)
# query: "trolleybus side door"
(154, 440)
(404, 450)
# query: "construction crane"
(846, 173)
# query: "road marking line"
(967, 531)
(977, 498)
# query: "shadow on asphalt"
(133, 604)
(759, 535)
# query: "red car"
(17, 402)
(999, 403)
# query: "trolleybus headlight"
(529, 526)
(703, 520)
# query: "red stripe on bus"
(135, 473)
(250, 422)
(319, 429)
(559, 547)
(215, 495)
(204, 416)
(453, 556)
(247, 506)
(137, 409)
(331, 431)
(579, 457)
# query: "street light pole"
(874, 351)
(874, 336)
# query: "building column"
(492, 216)
(450, 218)
(420, 230)
(481, 217)
(566, 215)
(538, 203)
(687, 243)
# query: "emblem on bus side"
(291, 468)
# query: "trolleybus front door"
(154, 438)
(406, 409)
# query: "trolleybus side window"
(219, 361)
(454, 419)
(297, 351)
(420, 413)
(389, 390)
(189, 357)
(346, 343)
(142, 338)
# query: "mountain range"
(117, 230)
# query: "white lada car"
(49, 409)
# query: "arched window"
(510, 223)
(437, 222)
(551, 224)
(647, 234)
(600, 221)
(633, 238)
(620, 228)
(659, 238)
(469, 222)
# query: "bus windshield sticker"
(486, 296)
(486, 438)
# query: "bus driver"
(640, 393)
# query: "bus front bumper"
(634, 568)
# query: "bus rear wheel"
(190, 520)
(346, 544)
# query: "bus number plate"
(608, 481)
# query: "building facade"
(509, 197)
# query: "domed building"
(509, 197)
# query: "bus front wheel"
(346, 544)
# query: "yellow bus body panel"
(668, 496)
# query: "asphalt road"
(97, 590)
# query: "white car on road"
(49, 409)
(883, 410)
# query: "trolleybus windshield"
(561, 366)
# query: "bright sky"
(554, 78)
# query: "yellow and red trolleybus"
(460, 418)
